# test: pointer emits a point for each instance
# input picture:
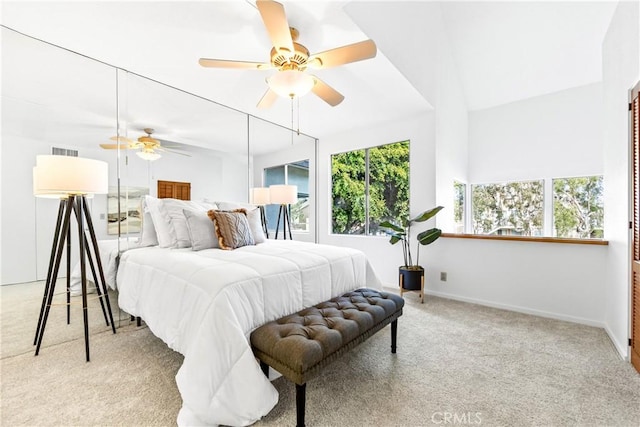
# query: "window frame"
(472, 205)
(367, 178)
(553, 206)
(548, 225)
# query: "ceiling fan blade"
(114, 146)
(344, 55)
(223, 63)
(121, 139)
(267, 99)
(326, 92)
(275, 20)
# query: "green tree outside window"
(578, 207)
(386, 197)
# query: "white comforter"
(204, 304)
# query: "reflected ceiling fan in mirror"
(149, 148)
(292, 59)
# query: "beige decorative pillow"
(232, 228)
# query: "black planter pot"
(411, 278)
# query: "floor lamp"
(284, 195)
(260, 196)
(72, 179)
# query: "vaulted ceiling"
(504, 51)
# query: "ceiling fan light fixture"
(291, 83)
(149, 155)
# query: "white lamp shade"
(283, 194)
(260, 196)
(291, 83)
(59, 176)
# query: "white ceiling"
(508, 51)
(504, 51)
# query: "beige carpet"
(457, 363)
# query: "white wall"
(213, 175)
(561, 281)
(555, 135)
(452, 140)
(621, 70)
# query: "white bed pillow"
(253, 215)
(202, 231)
(255, 223)
(169, 220)
(148, 236)
(161, 222)
(174, 210)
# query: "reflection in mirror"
(282, 156)
(54, 109)
(193, 141)
(54, 102)
(77, 105)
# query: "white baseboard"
(509, 307)
(623, 350)
(519, 309)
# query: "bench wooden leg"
(265, 368)
(394, 335)
(300, 398)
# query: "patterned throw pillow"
(232, 228)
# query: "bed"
(205, 303)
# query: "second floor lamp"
(285, 196)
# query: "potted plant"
(411, 272)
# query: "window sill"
(529, 239)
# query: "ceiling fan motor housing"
(297, 60)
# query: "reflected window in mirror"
(295, 173)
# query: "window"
(578, 207)
(513, 208)
(459, 201)
(518, 208)
(296, 173)
(370, 186)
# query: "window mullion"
(366, 192)
(547, 221)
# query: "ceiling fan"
(147, 146)
(292, 59)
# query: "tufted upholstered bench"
(300, 345)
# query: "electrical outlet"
(443, 276)
(101, 216)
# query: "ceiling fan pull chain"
(292, 120)
(298, 127)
